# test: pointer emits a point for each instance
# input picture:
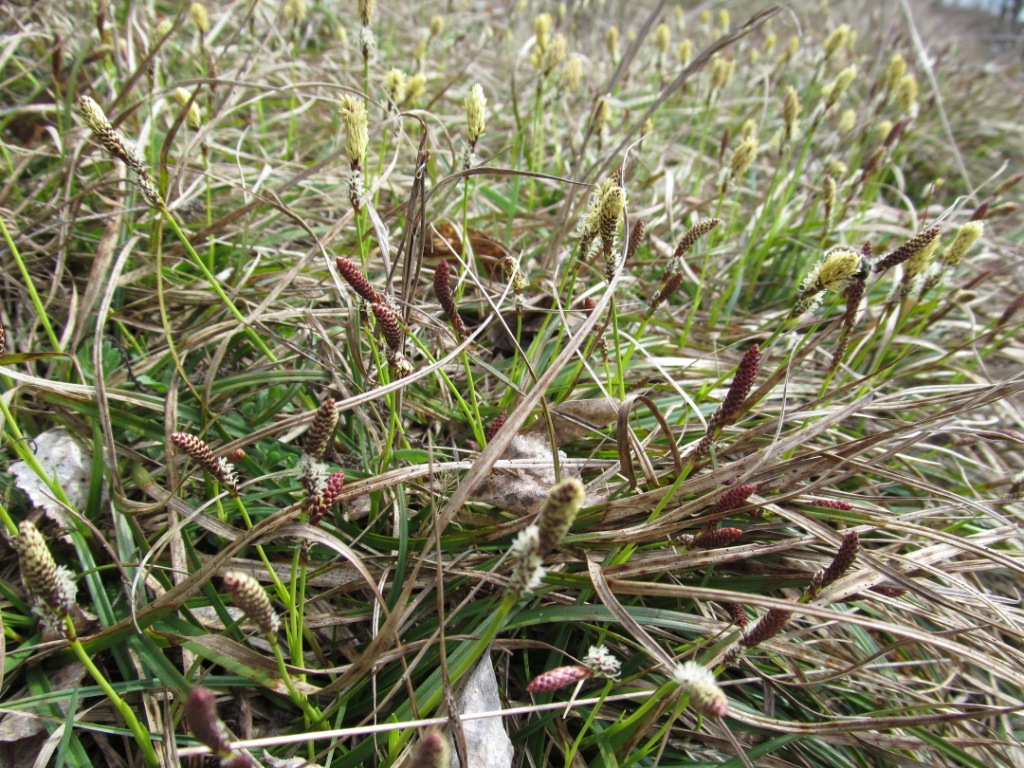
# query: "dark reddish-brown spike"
(636, 236)
(841, 563)
(321, 431)
(767, 627)
(445, 297)
(495, 425)
(914, 245)
(721, 537)
(390, 328)
(737, 614)
(733, 498)
(356, 279)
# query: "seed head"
(432, 751)
(559, 677)
(716, 539)
(698, 682)
(722, 71)
(737, 614)
(557, 515)
(358, 282)
(51, 587)
(734, 497)
(693, 234)
(767, 627)
(966, 237)
(219, 468)
(841, 563)
(389, 326)
(915, 244)
(357, 132)
(321, 431)
(248, 595)
(201, 716)
(669, 286)
(436, 26)
(446, 298)
(200, 17)
(120, 147)
(476, 117)
(192, 118)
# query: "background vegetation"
(211, 303)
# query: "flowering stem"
(142, 735)
(313, 715)
(30, 286)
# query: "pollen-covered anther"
(699, 683)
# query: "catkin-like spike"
(390, 328)
(445, 297)
(201, 716)
(737, 614)
(321, 505)
(295, 11)
(3, 341)
(636, 236)
(118, 146)
(201, 453)
(559, 677)
(248, 595)
(559, 511)
(348, 270)
(432, 751)
(836, 39)
(716, 539)
(743, 157)
(613, 201)
(767, 627)
(320, 432)
(966, 237)
(496, 425)
(841, 563)
(668, 288)
(200, 17)
(395, 82)
(828, 503)
(357, 132)
(733, 498)
(367, 8)
(729, 410)
(475, 105)
(790, 112)
(693, 234)
(52, 587)
(193, 119)
(888, 591)
(915, 244)
(699, 683)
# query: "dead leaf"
(66, 460)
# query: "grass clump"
(670, 356)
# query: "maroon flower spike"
(445, 297)
(830, 503)
(767, 627)
(865, 249)
(981, 212)
(201, 716)
(559, 677)
(220, 469)
(737, 614)
(636, 236)
(321, 431)
(323, 503)
(348, 270)
(3, 341)
(669, 286)
(840, 563)
(589, 305)
(390, 328)
(721, 537)
(914, 245)
(733, 498)
(431, 751)
(731, 407)
(496, 425)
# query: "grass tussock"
(668, 361)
